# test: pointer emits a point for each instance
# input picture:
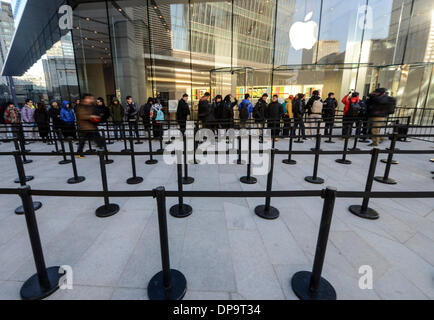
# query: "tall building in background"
(7, 30)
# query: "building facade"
(165, 48)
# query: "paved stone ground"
(224, 249)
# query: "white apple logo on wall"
(303, 34)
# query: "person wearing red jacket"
(352, 112)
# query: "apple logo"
(303, 34)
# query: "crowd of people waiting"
(87, 115)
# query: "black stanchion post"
(345, 151)
(267, 211)
(317, 134)
(385, 179)
(392, 147)
(330, 140)
(62, 146)
(168, 284)
(405, 138)
(22, 145)
(108, 209)
(180, 210)
(239, 160)
(249, 179)
(134, 179)
(124, 136)
(22, 179)
(151, 159)
(56, 147)
(315, 179)
(76, 178)
(186, 179)
(106, 160)
(289, 160)
(46, 280)
(310, 285)
(109, 141)
(356, 137)
(364, 211)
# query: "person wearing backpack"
(245, 110)
(329, 112)
(298, 110)
(182, 112)
(157, 117)
(314, 111)
(379, 107)
(352, 112)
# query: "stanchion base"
(385, 181)
(36, 206)
(126, 150)
(298, 141)
(187, 180)
(364, 141)
(65, 162)
(31, 289)
(28, 178)
(153, 161)
(160, 151)
(27, 161)
(391, 162)
(181, 211)
(109, 161)
(138, 142)
(168, 142)
(291, 162)
(135, 180)
(248, 180)
(156, 290)
(370, 214)
(313, 180)
(75, 181)
(329, 141)
(343, 161)
(107, 211)
(239, 162)
(271, 214)
(300, 285)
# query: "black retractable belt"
(134, 179)
(108, 209)
(168, 284)
(267, 211)
(151, 159)
(249, 179)
(289, 160)
(385, 179)
(46, 280)
(310, 285)
(345, 151)
(186, 179)
(22, 179)
(62, 146)
(315, 179)
(364, 211)
(76, 178)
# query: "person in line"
(87, 121)
(12, 118)
(216, 106)
(117, 114)
(379, 106)
(67, 115)
(42, 120)
(104, 112)
(329, 112)
(352, 111)
(298, 110)
(204, 109)
(274, 114)
(145, 114)
(183, 112)
(131, 113)
(28, 117)
(314, 112)
(227, 116)
(76, 104)
(54, 113)
(245, 110)
(157, 119)
(259, 115)
(287, 109)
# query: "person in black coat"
(227, 116)
(54, 113)
(42, 120)
(145, 113)
(274, 114)
(328, 113)
(298, 109)
(102, 110)
(204, 110)
(182, 112)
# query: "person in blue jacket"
(67, 115)
(245, 110)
